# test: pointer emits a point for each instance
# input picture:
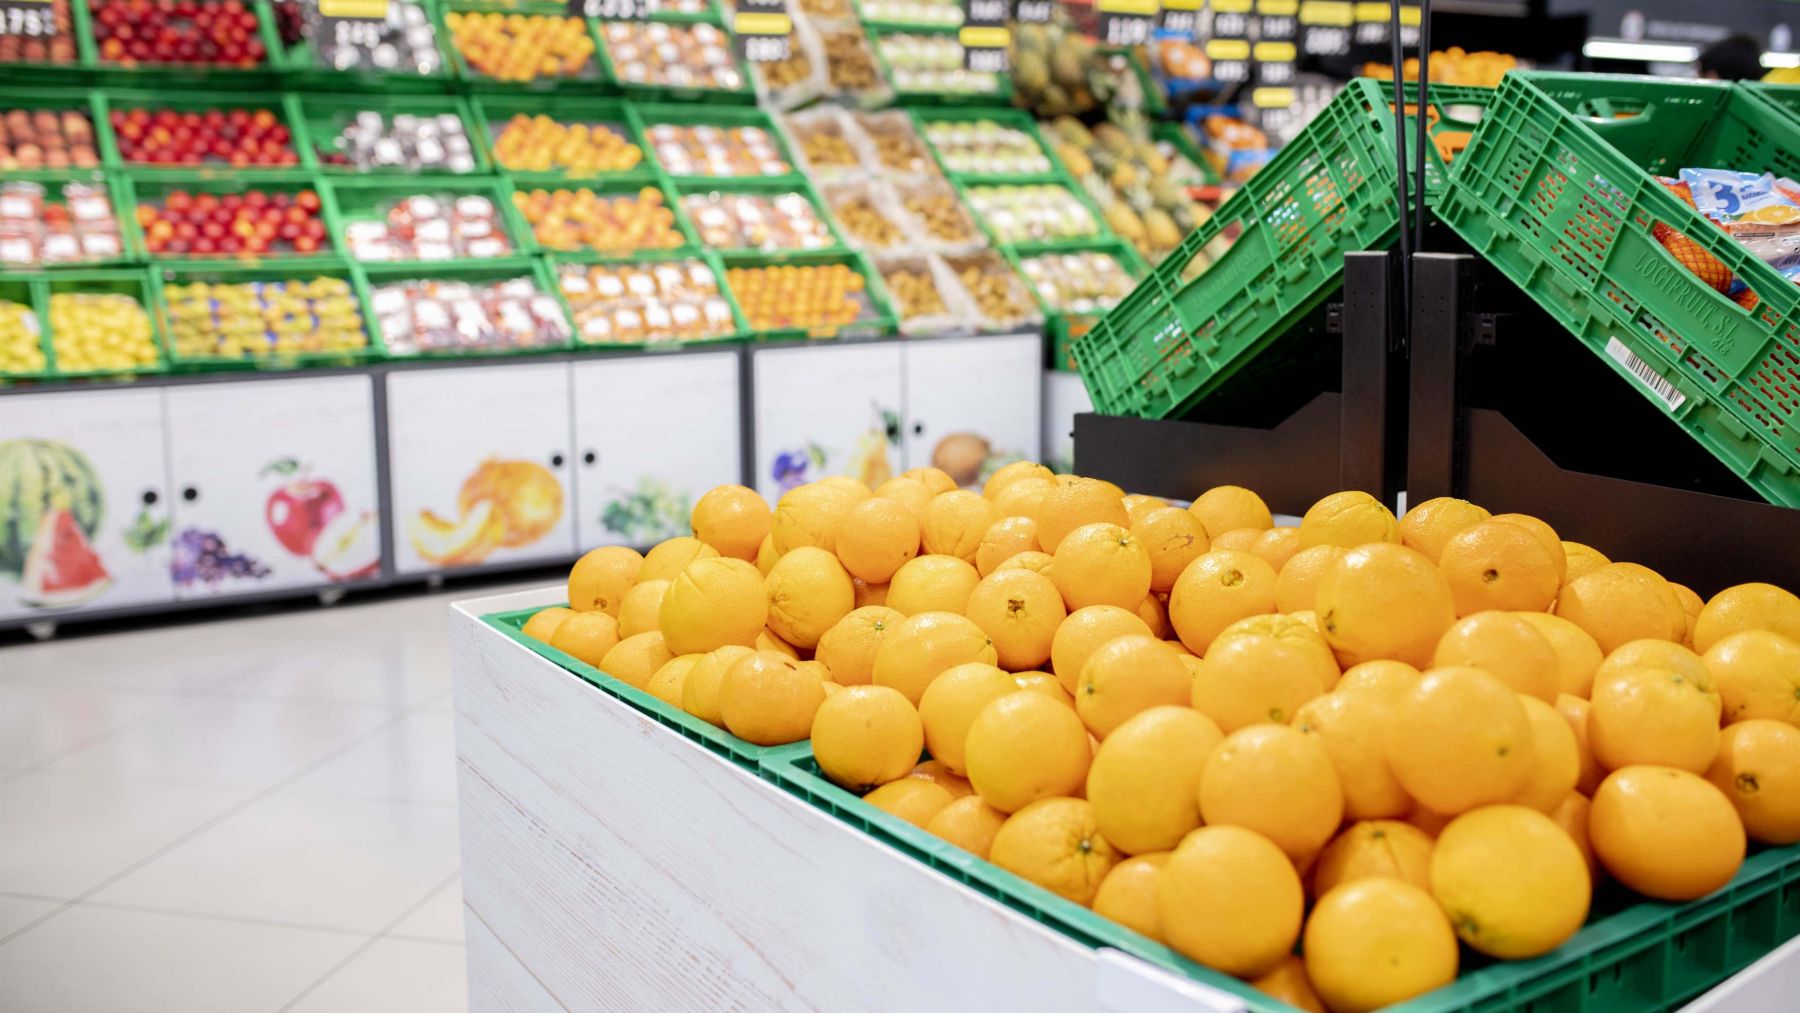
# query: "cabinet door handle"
(150, 497)
(556, 460)
(190, 493)
(918, 429)
(589, 457)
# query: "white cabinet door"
(274, 484)
(84, 502)
(478, 459)
(652, 434)
(972, 401)
(1065, 397)
(826, 409)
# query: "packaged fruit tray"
(989, 145)
(651, 301)
(501, 307)
(1045, 209)
(62, 220)
(67, 52)
(54, 129)
(762, 220)
(201, 134)
(532, 45)
(679, 59)
(380, 134)
(715, 142)
(83, 323)
(1559, 190)
(408, 52)
(1186, 329)
(186, 219)
(924, 67)
(1635, 956)
(809, 295)
(426, 219)
(1076, 282)
(137, 42)
(546, 138)
(615, 218)
(222, 316)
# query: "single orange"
(1101, 564)
(1758, 769)
(1174, 538)
(848, 648)
(1383, 601)
(1083, 632)
(1459, 739)
(1216, 590)
(1128, 894)
(1228, 898)
(1374, 848)
(1024, 747)
(1020, 611)
(1429, 526)
(955, 523)
(1229, 507)
(1352, 727)
(1277, 782)
(877, 537)
(1348, 520)
(1297, 581)
(1653, 716)
(1757, 673)
(1080, 501)
(1496, 564)
(1507, 648)
(1127, 675)
(932, 584)
(1747, 607)
(1004, 539)
(1668, 834)
(1376, 942)
(1053, 842)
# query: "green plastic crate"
(877, 320)
(87, 101)
(170, 275)
(1784, 96)
(133, 282)
(610, 186)
(743, 94)
(1000, 97)
(739, 333)
(300, 67)
(157, 75)
(1558, 190)
(1329, 192)
(474, 272)
(368, 198)
(1013, 118)
(592, 77)
(324, 117)
(493, 113)
(153, 192)
(124, 204)
(23, 290)
(284, 106)
(1064, 328)
(725, 118)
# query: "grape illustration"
(200, 556)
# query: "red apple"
(299, 510)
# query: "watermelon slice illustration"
(61, 568)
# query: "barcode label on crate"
(1616, 350)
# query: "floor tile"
(414, 761)
(439, 919)
(178, 658)
(212, 740)
(61, 835)
(303, 859)
(394, 975)
(40, 721)
(107, 960)
(18, 912)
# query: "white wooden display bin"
(610, 862)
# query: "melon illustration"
(61, 568)
(36, 477)
(464, 541)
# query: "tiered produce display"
(226, 156)
(1343, 761)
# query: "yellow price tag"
(1274, 52)
(369, 10)
(1272, 98)
(1327, 13)
(1227, 49)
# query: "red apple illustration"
(301, 507)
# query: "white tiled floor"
(246, 814)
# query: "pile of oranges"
(818, 298)
(1323, 758)
(521, 47)
(541, 144)
(579, 218)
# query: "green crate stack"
(1558, 189)
(1175, 340)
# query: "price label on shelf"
(984, 36)
(29, 19)
(1230, 59)
(1274, 64)
(1277, 20)
(354, 24)
(1126, 22)
(1034, 12)
(1325, 27)
(1272, 98)
(614, 10)
(762, 29)
(1373, 20)
(1231, 18)
(1180, 17)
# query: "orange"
(909, 493)
(1276, 546)
(1513, 882)
(1216, 590)
(808, 592)
(1574, 711)
(1555, 758)
(1024, 498)
(1347, 520)
(543, 623)
(1128, 894)
(599, 579)
(875, 538)
(1546, 535)
(1691, 604)
(1237, 540)
(1007, 474)
(913, 799)
(1581, 560)
(1385, 679)
(869, 594)
(769, 700)
(1375, 942)
(1747, 607)
(641, 608)
(1577, 655)
(1083, 632)
(733, 520)
(1033, 560)
(1228, 898)
(768, 641)
(1429, 526)
(1388, 849)
(1507, 648)
(1459, 739)
(1024, 747)
(1666, 833)
(1156, 616)
(1174, 539)
(955, 523)
(1619, 603)
(1004, 539)
(1665, 591)
(1298, 578)
(1496, 564)
(714, 602)
(666, 684)
(1228, 507)
(1758, 676)
(1758, 769)
(766, 555)
(855, 487)
(1101, 564)
(1665, 654)
(969, 823)
(922, 646)
(635, 659)
(1127, 675)
(671, 556)
(1053, 842)
(1383, 601)
(1352, 727)
(937, 773)
(932, 584)
(700, 690)
(866, 736)
(1144, 782)
(1653, 716)
(1572, 815)
(1288, 982)
(1047, 684)
(936, 479)
(1249, 678)
(1277, 782)
(809, 515)
(1020, 612)
(950, 705)
(586, 636)
(848, 648)
(1138, 505)
(1075, 503)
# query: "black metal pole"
(1398, 53)
(1423, 137)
